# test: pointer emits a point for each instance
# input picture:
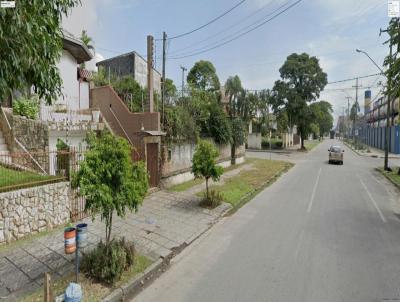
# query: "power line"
(208, 23)
(242, 34)
(227, 29)
(352, 79)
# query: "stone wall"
(33, 134)
(33, 210)
(34, 137)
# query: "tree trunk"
(233, 154)
(398, 172)
(109, 227)
(302, 141)
(207, 193)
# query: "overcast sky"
(328, 29)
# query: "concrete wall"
(254, 141)
(131, 64)
(33, 210)
(178, 161)
(141, 74)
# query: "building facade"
(131, 64)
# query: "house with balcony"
(67, 119)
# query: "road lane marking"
(299, 245)
(314, 190)
(372, 200)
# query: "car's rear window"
(336, 149)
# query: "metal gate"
(152, 163)
(78, 203)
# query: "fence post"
(48, 293)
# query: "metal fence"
(20, 170)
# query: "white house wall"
(84, 95)
(70, 86)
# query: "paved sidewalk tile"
(164, 221)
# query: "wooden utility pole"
(150, 76)
(163, 79)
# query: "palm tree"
(233, 89)
(87, 41)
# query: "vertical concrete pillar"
(150, 82)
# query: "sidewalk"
(164, 221)
(374, 152)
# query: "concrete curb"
(255, 192)
(273, 151)
(129, 289)
(388, 178)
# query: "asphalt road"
(321, 233)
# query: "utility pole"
(356, 113)
(388, 101)
(183, 79)
(163, 79)
(347, 117)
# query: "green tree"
(205, 163)
(218, 124)
(353, 117)
(31, 46)
(238, 136)
(302, 80)
(322, 112)
(170, 90)
(392, 62)
(130, 92)
(88, 42)
(203, 76)
(109, 180)
(233, 90)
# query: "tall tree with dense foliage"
(31, 45)
(302, 80)
(170, 90)
(322, 112)
(205, 163)
(203, 76)
(109, 180)
(233, 90)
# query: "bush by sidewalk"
(107, 262)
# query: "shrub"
(214, 199)
(107, 262)
(28, 107)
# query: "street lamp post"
(389, 81)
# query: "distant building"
(131, 64)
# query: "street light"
(386, 164)
(364, 52)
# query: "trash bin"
(69, 240)
(81, 235)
